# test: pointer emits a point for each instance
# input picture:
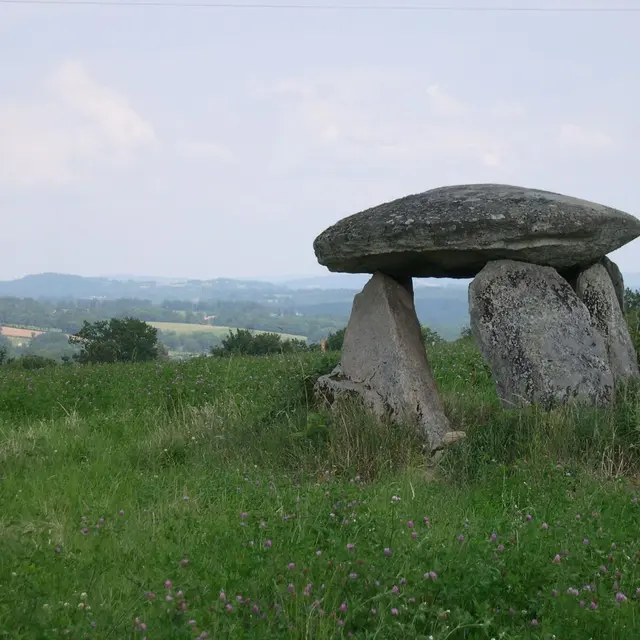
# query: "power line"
(319, 7)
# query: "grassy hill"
(213, 499)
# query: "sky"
(216, 142)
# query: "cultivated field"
(212, 499)
(13, 332)
(185, 327)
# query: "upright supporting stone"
(385, 363)
(596, 289)
(537, 337)
(616, 278)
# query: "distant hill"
(64, 286)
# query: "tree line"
(68, 316)
(130, 339)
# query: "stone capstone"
(384, 362)
(455, 231)
(537, 337)
(597, 291)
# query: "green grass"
(185, 327)
(222, 477)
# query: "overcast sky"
(207, 143)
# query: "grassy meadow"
(211, 498)
(221, 332)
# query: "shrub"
(31, 362)
(633, 320)
(245, 343)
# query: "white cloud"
(585, 139)
(72, 127)
(491, 159)
(365, 125)
(292, 88)
(508, 110)
(121, 126)
(444, 104)
(206, 151)
(377, 120)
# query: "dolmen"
(546, 304)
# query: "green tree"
(430, 337)
(244, 343)
(631, 300)
(632, 315)
(633, 322)
(53, 345)
(116, 340)
(5, 349)
(335, 340)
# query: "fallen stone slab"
(598, 293)
(335, 385)
(385, 363)
(455, 231)
(537, 337)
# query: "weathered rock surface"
(616, 278)
(571, 276)
(454, 231)
(384, 362)
(537, 337)
(336, 384)
(596, 289)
